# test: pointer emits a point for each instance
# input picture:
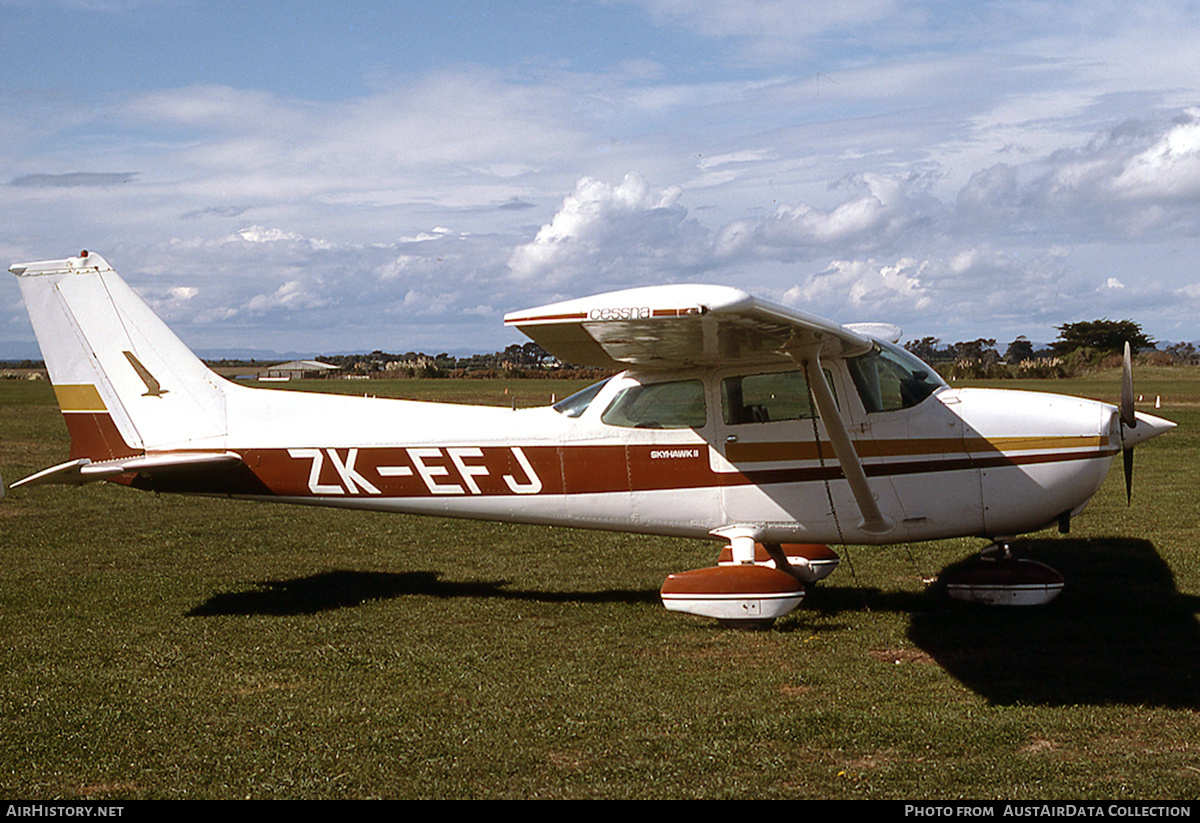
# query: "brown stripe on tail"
(93, 433)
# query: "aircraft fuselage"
(737, 418)
(958, 462)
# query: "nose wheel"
(997, 550)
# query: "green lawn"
(163, 647)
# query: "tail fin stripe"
(79, 398)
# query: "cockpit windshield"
(577, 404)
(889, 378)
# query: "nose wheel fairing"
(750, 588)
(997, 578)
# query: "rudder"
(125, 383)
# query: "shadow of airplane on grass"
(1119, 633)
(344, 589)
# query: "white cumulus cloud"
(858, 285)
(1170, 168)
(601, 230)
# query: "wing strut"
(874, 521)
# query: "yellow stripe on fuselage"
(929, 447)
(1014, 444)
(773, 452)
(81, 397)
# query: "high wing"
(672, 327)
(665, 327)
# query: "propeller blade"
(1127, 457)
(1128, 420)
(1128, 417)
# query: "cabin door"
(773, 473)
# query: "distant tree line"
(1080, 348)
(518, 360)
(521, 360)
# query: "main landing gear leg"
(775, 552)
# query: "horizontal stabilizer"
(81, 471)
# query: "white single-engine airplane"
(736, 419)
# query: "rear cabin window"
(766, 398)
(770, 397)
(890, 378)
(674, 405)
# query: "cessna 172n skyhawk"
(735, 419)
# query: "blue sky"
(317, 177)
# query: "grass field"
(164, 647)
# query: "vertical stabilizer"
(125, 383)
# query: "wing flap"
(680, 326)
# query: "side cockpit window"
(674, 405)
(889, 378)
